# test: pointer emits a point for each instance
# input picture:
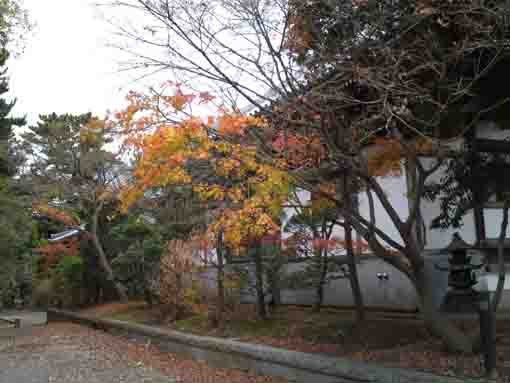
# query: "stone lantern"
(461, 297)
(461, 275)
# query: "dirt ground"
(393, 339)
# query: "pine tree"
(14, 219)
(6, 122)
(70, 163)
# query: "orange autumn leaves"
(55, 214)
(385, 158)
(385, 155)
(168, 142)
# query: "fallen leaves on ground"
(392, 339)
(111, 348)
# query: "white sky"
(67, 66)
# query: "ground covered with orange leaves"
(393, 339)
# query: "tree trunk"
(275, 290)
(148, 297)
(438, 324)
(103, 260)
(274, 280)
(177, 297)
(220, 303)
(351, 261)
(501, 259)
(322, 280)
(353, 275)
(259, 284)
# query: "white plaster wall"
(289, 212)
(395, 189)
(490, 129)
(493, 218)
(397, 292)
(436, 239)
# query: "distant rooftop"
(64, 235)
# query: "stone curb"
(291, 365)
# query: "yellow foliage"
(252, 201)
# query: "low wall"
(394, 293)
(291, 365)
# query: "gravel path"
(43, 356)
(68, 353)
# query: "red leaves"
(359, 3)
(331, 244)
(299, 150)
(205, 97)
(57, 215)
(326, 244)
(53, 251)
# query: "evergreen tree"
(6, 121)
(14, 218)
(70, 164)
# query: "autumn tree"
(177, 269)
(210, 250)
(68, 162)
(407, 72)
(243, 196)
(180, 213)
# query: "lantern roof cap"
(458, 243)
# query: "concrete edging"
(14, 322)
(291, 365)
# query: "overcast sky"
(67, 66)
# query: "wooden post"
(487, 333)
